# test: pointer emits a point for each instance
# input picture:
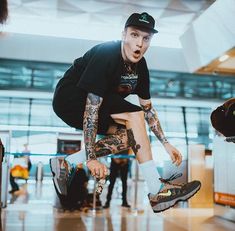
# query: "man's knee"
(135, 116)
(128, 116)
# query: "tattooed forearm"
(153, 122)
(90, 123)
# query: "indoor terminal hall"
(117, 115)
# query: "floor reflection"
(33, 208)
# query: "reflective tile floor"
(33, 209)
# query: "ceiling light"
(223, 58)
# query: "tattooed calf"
(112, 143)
(131, 140)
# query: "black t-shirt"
(102, 71)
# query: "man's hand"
(175, 155)
(97, 169)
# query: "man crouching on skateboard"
(91, 96)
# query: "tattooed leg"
(131, 139)
(137, 134)
(112, 143)
(122, 140)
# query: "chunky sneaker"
(171, 193)
(63, 173)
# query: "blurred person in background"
(20, 168)
(118, 167)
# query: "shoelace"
(167, 181)
(171, 178)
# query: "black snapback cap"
(223, 120)
(143, 20)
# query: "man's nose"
(140, 42)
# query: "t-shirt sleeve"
(94, 78)
(143, 85)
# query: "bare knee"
(135, 116)
(122, 118)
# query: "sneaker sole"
(166, 205)
(53, 164)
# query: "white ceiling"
(222, 65)
(101, 19)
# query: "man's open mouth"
(137, 52)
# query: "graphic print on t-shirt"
(127, 84)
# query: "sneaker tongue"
(161, 187)
(171, 178)
(174, 176)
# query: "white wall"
(211, 35)
(42, 48)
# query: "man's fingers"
(176, 158)
(99, 171)
(93, 172)
(179, 159)
(103, 172)
(105, 169)
(100, 174)
(106, 172)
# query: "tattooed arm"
(90, 126)
(90, 123)
(151, 117)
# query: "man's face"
(135, 44)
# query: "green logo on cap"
(143, 18)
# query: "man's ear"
(123, 34)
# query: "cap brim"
(143, 28)
(155, 31)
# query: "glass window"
(4, 112)
(198, 124)
(42, 114)
(18, 111)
